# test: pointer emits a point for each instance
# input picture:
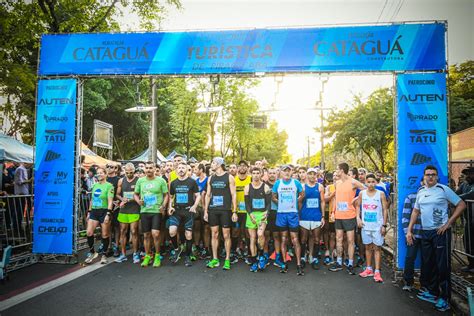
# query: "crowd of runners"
(264, 215)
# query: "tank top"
(239, 188)
(220, 193)
(273, 206)
(287, 197)
(372, 210)
(311, 209)
(257, 198)
(330, 206)
(344, 197)
(127, 192)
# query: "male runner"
(113, 178)
(220, 209)
(233, 169)
(287, 192)
(302, 174)
(129, 213)
(184, 192)
(258, 197)
(345, 215)
(271, 225)
(238, 231)
(151, 193)
(200, 225)
(311, 217)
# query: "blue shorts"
(182, 216)
(285, 221)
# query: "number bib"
(96, 202)
(242, 206)
(370, 217)
(182, 198)
(128, 195)
(312, 203)
(287, 200)
(217, 200)
(342, 206)
(258, 203)
(150, 200)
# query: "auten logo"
(422, 136)
(419, 159)
(421, 117)
(51, 155)
(49, 119)
(428, 97)
(55, 136)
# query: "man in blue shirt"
(432, 203)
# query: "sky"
(301, 92)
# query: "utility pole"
(154, 114)
(309, 153)
(321, 92)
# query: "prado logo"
(53, 119)
(51, 230)
(419, 159)
(421, 117)
(51, 155)
(422, 136)
(55, 136)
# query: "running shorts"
(150, 221)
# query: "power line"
(398, 10)
(380, 15)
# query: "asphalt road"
(127, 289)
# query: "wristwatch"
(385, 225)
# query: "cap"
(284, 167)
(312, 170)
(219, 161)
(244, 162)
(467, 170)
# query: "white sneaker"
(90, 257)
(103, 260)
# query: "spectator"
(466, 192)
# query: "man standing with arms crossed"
(345, 215)
(220, 209)
(151, 193)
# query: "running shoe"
(91, 256)
(204, 254)
(101, 248)
(442, 305)
(223, 254)
(214, 263)
(360, 261)
(254, 267)
(103, 260)
(234, 259)
(248, 261)
(188, 262)
(238, 253)
(327, 260)
(291, 252)
(303, 261)
(136, 258)
(121, 258)
(176, 255)
(226, 265)
(192, 257)
(366, 273)
(278, 261)
(146, 261)
(407, 288)
(284, 268)
(350, 270)
(157, 261)
(299, 270)
(315, 264)
(428, 297)
(378, 277)
(116, 250)
(335, 268)
(346, 262)
(267, 261)
(261, 263)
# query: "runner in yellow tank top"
(345, 214)
(239, 232)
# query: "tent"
(145, 156)
(91, 158)
(174, 153)
(14, 150)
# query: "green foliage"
(461, 98)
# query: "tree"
(269, 144)
(21, 25)
(461, 96)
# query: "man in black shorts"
(184, 193)
(271, 226)
(220, 209)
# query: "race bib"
(287, 200)
(242, 206)
(217, 200)
(128, 195)
(370, 217)
(258, 203)
(182, 198)
(312, 203)
(96, 202)
(342, 206)
(150, 200)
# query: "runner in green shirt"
(151, 193)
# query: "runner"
(287, 192)
(184, 192)
(311, 220)
(302, 174)
(329, 198)
(238, 231)
(201, 228)
(113, 178)
(129, 213)
(258, 197)
(345, 214)
(99, 214)
(220, 209)
(271, 226)
(233, 169)
(151, 193)
(373, 221)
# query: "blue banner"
(54, 166)
(422, 137)
(396, 47)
